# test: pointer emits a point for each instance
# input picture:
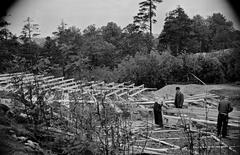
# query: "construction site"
(118, 117)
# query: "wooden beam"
(199, 120)
(164, 150)
(55, 79)
(114, 92)
(131, 85)
(138, 92)
(94, 85)
(7, 76)
(148, 150)
(71, 87)
(163, 142)
(64, 85)
(119, 95)
(135, 88)
(47, 77)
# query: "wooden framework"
(117, 91)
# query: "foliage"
(230, 64)
(221, 31)
(30, 100)
(29, 30)
(176, 32)
(184, 35)
(146, 13)
(153, 70)
(133, 42)
(112, 53)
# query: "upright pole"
(150, 16)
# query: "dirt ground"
(192, 89)
(228, 90)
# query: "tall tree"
(221, 31)
(30, 30)
(99, 49)
(176, 32)
(4, 32)
(30, 50)
(146, 14)
(111, 33)
(133, 42)
(202, 33)
(9, 48)
(68, 42)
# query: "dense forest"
(206, 47)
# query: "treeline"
(112, 53)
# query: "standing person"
(179, 98)
(224, 108)
(157, 108)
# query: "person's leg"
(155, 117)
(224, 128)
(219, 124)
(160, 119)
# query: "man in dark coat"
(179, 98)
(157, 108)
(224, 108)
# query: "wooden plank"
(199, 120)
(148, 150)
(67, 83)
(143, 103)
(164, 150)
(114, 92)
(54, 82)
(163, 142)
(47, 77)
(63, 83)
(12, 74)
(164, 131)
(5, 82)
(71, 87)
(233, 114)
(55, 79)
(92, 85)
(117, 86)
(130, 86)
(203, 96)
(138, 92)
(4, 75)
(110, 84)
(185, 101)
(24, 80)
(135, 88)
(119, 95)
(201, 112)
(100, 83)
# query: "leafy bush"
(208, 69)
(230, 64)
(153, 70)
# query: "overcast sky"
(81, 13)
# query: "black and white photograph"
(119, 77)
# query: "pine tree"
(146, 14)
